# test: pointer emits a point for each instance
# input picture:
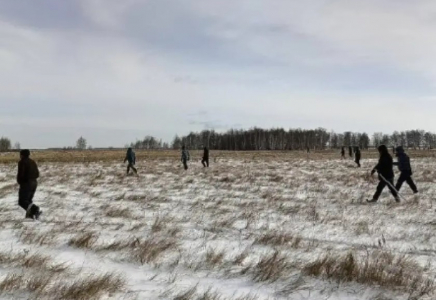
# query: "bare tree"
(81, 143)
(5, 144)
(17, 146)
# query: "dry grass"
(89, 156)
(32, 236)
(192, 294)
(379, 268)
(116, 212)
(49, 286)
(160, 223)
(274, 238)
(148, 251)
(85, 240)
(90, 287)
(270, 268)
(214, 258)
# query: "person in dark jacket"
(131, 158)
(405, 169)
(205, 160)
(350, 151)
(185, 157)
(385, 174)
(357, 156)
(343, 153)
(27, 176)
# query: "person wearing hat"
(27, 176)
(405, 169)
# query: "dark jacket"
(205, 153)
(130, 157)
(385, 166)
(27, 171)
(403, 160)
(357, 154)
(185, 155)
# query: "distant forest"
(292, 139)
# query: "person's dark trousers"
(381, 185)
(358, 162)
(185, 164)
(406, 176)
(26, 193)
(205, 162)
(130, 166)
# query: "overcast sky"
(114, 70)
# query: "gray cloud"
(88, 67)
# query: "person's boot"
(37, 214)
(29, 212)
(371, 201)
(397, 199)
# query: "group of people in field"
(28, 174)
(385, 170)
(185, 157)
(351, 150)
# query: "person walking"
(185, 157)
(350, 151)
(27, 176)
(131, 158)
(357, 156)
(205, 160)
(405, 169)
(385, 174)
(343, 153)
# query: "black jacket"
(403, 161)
(27, 171)
(205, 153)
(357, 155)
(385, 166)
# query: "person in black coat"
(350, 151)
(385, 174)
(27, 176)
(205, 160)
(343, 153)
(357, 156)
(405, 169)
(131, 158)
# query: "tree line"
(256, 139)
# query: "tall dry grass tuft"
(90, 287)
(379, 268)
(275, 239)
(148, 251)
(84, 240)
(270, 268)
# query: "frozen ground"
(243, 229)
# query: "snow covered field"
(247, 228)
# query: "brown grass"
(148, 251)
(275, 239)
(84, 240)
(90, 287)
(270, 268)
(31, 236)
(379, 268)
(116, 212)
